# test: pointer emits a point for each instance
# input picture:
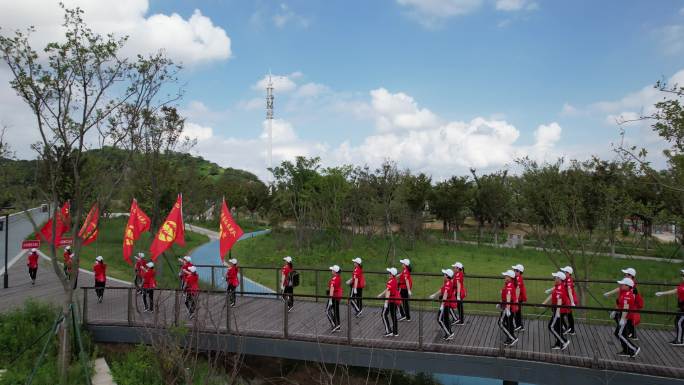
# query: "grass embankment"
(432, 256)
(109, 246)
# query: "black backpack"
(294, 278)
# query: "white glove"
(432, 296)
(441, 307)
(458, 297)
(623, 322)
(330, 302)
(354, 291)
(385, 305)
(606, 294)
(572, 303)
(548, 291)
(612, 315)
(659, 294)
(507, 312)
(409, 293)
(498, 306)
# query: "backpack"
(294, 278)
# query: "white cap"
(99, 258)
(630, 271)
(288, 259)
(233, 261)
(682, 271)
(67, 248)
(508, 273)
(187, 258)
(357, 260)
(141, 254)
(405, 261)
(34, 250)
(392, 270)
(150, 264)
(626, 281)
(567, 269)
(559, 274)
(335, 268)
(518, 267)
(192, 269)
(458, 265)
(448, 272)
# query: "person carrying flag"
(100, 270)
(508, 307)
(358, 282)
(405, 286)
(32, 263)
(149, 286)
(232, 281)
(186, 262)
(191, 280)
(68, 256)
(558, 297)
(446, 295)
(139, 266)
(679, 319)
(332, 309)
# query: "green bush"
(138, 367)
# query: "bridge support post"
(349, 322)
(228, 312)
(176, 308)
(242, 283)
(285, 313)
(84, 318)
(213, 279)
(129, 307)
(420, 326)
(316, 286)
(277, 285)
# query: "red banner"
(30, 244)
(65, 242)
(229, 231)
(138, 223)
(89, 230)
(62, 226)
(171, 231)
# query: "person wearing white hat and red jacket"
(186, 262)
(139, 265)
(32, 263)
(447, 297)
(630, 273)
(508, 307)
(332, 309)
(405, 286)
(232, 280)
(100, 270)
(679, 319)
(568, 320)
(392, 300)
(357, 283)
(559, 297)
(286, 286)
(149, 285)
(460, 290)
(520, 294)
(624, 317)
(191, 289)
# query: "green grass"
(109, 246)
(432, 256)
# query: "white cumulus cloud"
(399, 111)
(515, 5)
(433, 12)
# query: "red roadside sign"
(30, 244)
(65, 242)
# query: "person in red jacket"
(139, 266)
(405, 286)
(508, 307)
(358, 282)
(32, 263)
(68, 256)
(446, 296)
(521, 295)
(232, 281)
(568, 320)
(460, 290)
(392, 301)
(558, 297)
(630, 273)
(679, 319)
(149, 285)
(332, 309)
(100, 270)
(286, 284)
(624, 317)
(186, 262)
(191, 290)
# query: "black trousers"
(357, 300)
(404, 309)
(99, 288)
(138, 283)
(444, 321)
(231, 294)
(679, 328)
(191, 302)
(556, 329)
(568, 322)
(518, 320)
(148, 294)
(505, 323)
(332, 311)
(459, 307)
(621, 332)
(288, 296)
(32, 273)
(389, 318)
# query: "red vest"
(403, 276)
(393, 287)
(192, 283)
(100, 270)
(358, 274)
(33, 260)
(232, 276)
(149, 279)
(509, 289)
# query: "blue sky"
(464, 82)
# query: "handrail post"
(420, 325)
(316, 287)
(285, 320)
(349, 322)
(84, 318)
(242, 282)
(228, 312)
(277, 286)
(213, 279)
(129, 312)
(176, 308)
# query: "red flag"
(171, 231)
(138, 223)
(62, 226)
(89, 230)
(229, 231)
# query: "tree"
(415, 191)
(492, 201)
(385, 182)
(450, 201)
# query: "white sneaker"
(565, 345)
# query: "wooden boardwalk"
(594, 346)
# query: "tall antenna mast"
(269, 118)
